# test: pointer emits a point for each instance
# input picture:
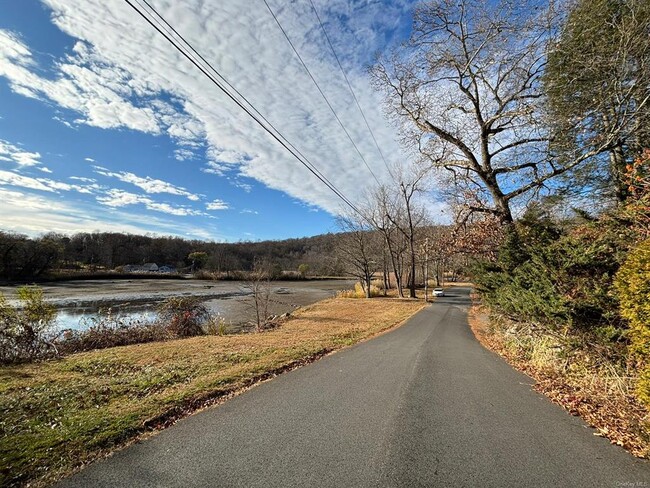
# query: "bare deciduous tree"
(382, 204)
(412, 217)
(467, 91)
(397, 214)
(360, 249)
(259, 285)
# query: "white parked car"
(438, 292)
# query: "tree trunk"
(412, 266)
(396, 270)
(368, 279)
(617, 163)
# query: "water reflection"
(81, 318)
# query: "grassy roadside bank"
(600, 392)
(58, 415)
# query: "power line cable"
(169, 28)
(286, 36)
(372, 134)
(275, 133)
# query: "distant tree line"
(52, 255)
(25, 258)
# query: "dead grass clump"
(111, 331)
(203, 274)
(359, 292)
(215, 325)
(379, 284)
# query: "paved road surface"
(424, 405)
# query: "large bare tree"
(467, 92)
(381, 206)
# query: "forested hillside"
(23, 258)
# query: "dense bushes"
(183, 316)
(633, 286)
(582, 283)
(556, 275)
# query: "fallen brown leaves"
(613, 411)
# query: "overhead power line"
(219, 80)
(293, 47)
(356, 100)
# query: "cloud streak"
(30, 214)
(104, 96)
(12, 153)
(148, 184)
(217, 205)
(10, 178)
(116, 198)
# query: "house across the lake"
(148, 268)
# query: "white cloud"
(244, 186)
(43, 184)
(172, 210)
(104, 94)
(65, 122)
(119, 198)
(83, 179)
(90, 160)
(148, 184)
(184, 154)
(217, 205)
(216, 168)
(27, 158)
(14, 153)
(13, 179)
(248, 211)
(124, 74)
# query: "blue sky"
(104, 127)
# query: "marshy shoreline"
(85, 298)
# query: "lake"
(79, 302)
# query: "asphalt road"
(424, 405)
